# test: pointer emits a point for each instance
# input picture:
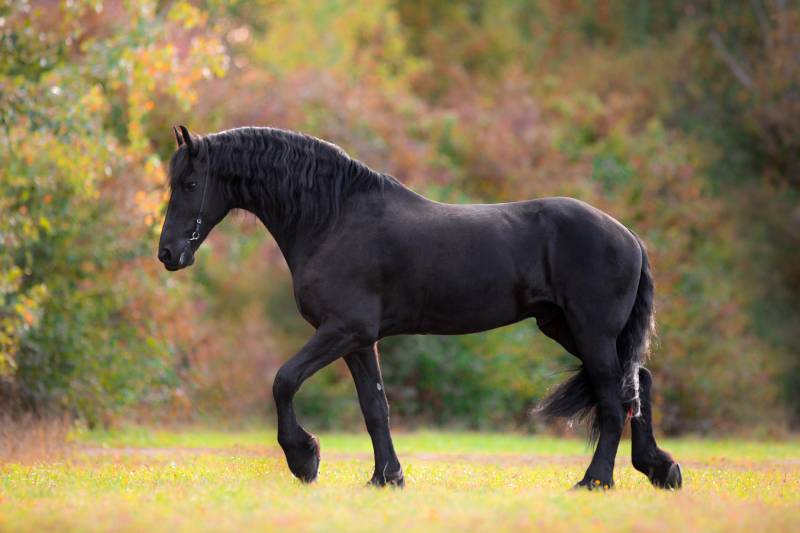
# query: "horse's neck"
(297, 242)
(291, 240)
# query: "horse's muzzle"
(183, 260)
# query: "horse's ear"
(187, 139)
(177, 136)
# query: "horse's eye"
(192, 185)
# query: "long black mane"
(296, 179)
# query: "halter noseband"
(199, 221)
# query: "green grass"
(158, 480)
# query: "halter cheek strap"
(199, 221)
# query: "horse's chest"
(307, 299)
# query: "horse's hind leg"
(365, 368)
(601, 364)
(647, 457)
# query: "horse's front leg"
(365, 368)
(300, 447)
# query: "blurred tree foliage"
(81, 197)
(678, 117)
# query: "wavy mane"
(295, 179)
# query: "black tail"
(575, 400)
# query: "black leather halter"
(199, 221)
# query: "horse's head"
(195, 205)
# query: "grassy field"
(138, 479)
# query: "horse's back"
(443, 268)
(478, 266)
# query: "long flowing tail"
(575, 399)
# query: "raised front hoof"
(593, 484)
(395, 480)
(303, 459)
(668, 476)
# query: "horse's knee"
(284, 386)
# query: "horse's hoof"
(589, 483)
(395, 480)
(304, 460)
(668, 477)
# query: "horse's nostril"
(164, 255)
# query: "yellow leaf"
(44, 223)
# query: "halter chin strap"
(199, 222)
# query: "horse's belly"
(469, 308)
(463, 324)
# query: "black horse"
(370, 258)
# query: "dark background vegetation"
(680, 118)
